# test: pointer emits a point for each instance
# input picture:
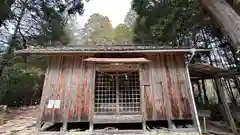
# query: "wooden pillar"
(225, 105)
(192, 101)
(143, 105)
(144, 82)
(92, 97)
(204, 124)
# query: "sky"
(115, 10)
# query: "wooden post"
(192, 101)
(204, 124)
(225, 105)
(92, 95)
(204, 114)
(117, 94)
(144, 83)
(143, 108)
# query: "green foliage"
(22, 80)
(99, 30)
(163, 21)
(54, 27)
(5, 10)
(18, 84)
(50, 23)
(123, 34)
(35, 23)
(130, 18)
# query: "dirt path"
(21, 121)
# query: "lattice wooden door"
(117, 93)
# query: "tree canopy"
(31, 23)
(99, 31)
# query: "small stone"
(189, 126)
(179, 126)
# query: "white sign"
(57, 104)
(50, 104)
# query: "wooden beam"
(103, 119)
(192, 100)
(74, 51)
(225, 105)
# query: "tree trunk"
(226, 18)
(217, 91)
(199, 92)
(205, 93)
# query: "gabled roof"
(106, 49)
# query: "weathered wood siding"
(166, 96)
(69, 80)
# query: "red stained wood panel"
(74, 102)
(88, 82)
(58, 87)
(68, 80)
(171, 90)
(148, 93)
(164, 84)
(176, 91)
(50, 92)
(79, 95)
(167, 97)
(157, 89)
(159, 92)
(184, 97)
(74, 112)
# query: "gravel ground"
(21, 121)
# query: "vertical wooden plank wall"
(183, 86)
(145, 86)
(167, 97)
(51, 91)
(68, 80)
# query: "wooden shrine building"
(128, 88)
